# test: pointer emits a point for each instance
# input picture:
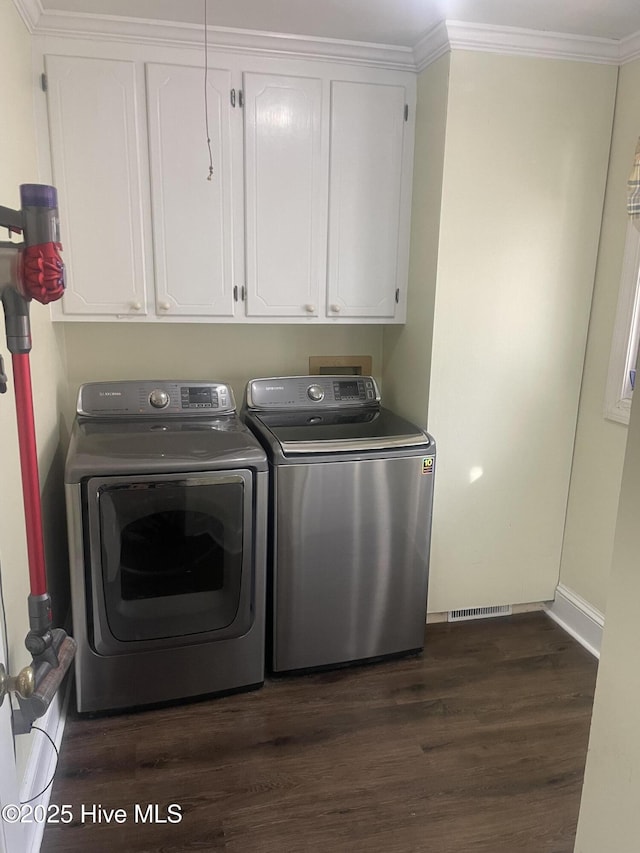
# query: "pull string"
(206, 94)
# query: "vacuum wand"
(32, 270)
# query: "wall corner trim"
(579, 618)
(630, 48)
(42, 763)
(431, 46)
(30, 12)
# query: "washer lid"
(327, 431)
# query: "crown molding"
(143, 31)
(445, 36)
(521, 42)
(630, 48)
(30, 11)
(514, 41)
(432, 45)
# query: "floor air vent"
(479, 613)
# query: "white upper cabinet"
(96, 146)
(365, 195)
(192, 217)
(305, 218)
(286, 178)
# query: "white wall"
(18, 165)
(407, 349)
(609, 815)
(226, 353)
(527, 143)
(600, 444)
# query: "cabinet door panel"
(285, 174)
(192, 215)
(95, 145)
(367, 130)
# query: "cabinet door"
(95, 148)
(191, 215)
(365, 192)
(286, 178)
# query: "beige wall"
(609, 814)
(609, 817)
(233, 354)
(407, 349)
(526, 152)
(600, 444)
(18, 165)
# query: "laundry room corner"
(500, 357)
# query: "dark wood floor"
(478, 745)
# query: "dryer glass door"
(171, 555)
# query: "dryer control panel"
(310, 392)
(151, 398)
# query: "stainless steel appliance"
(351, 492)
(167, 496)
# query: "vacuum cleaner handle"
(42, 269)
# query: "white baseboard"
(578, 618)
(41, 764)
(575, 615)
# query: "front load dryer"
(166, 495)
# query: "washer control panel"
(305, 392)
(154, 398)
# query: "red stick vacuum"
(32, 270)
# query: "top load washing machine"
(351, 492)
(167, 496)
